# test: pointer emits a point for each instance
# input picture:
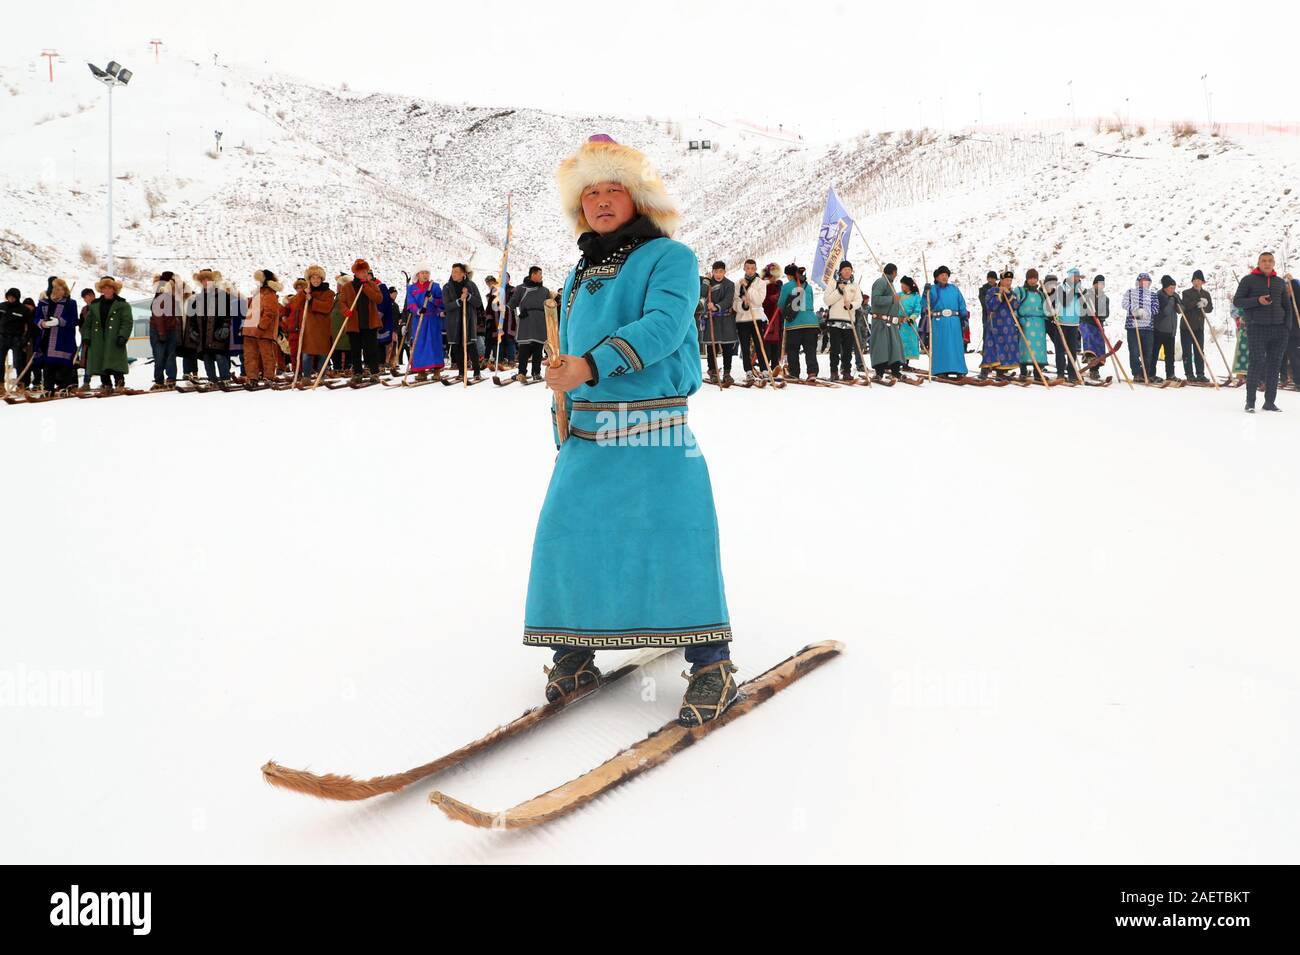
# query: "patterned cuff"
(614, 357)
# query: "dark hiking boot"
(710, 690)
(573, 671)
(1271, 407)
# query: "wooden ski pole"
(929, 320)
(761, 347)
(1214, 336)
(26, 368)
(302, 333)
(1295, 313)
(857, 345)
(464, 336)
(1119, 366)
(1006, 300)
(554, 360)
(501, 302)
(419, 326)
(1142, 357)
(338, 338)
(1214, 380)
(1061, 343)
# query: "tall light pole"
(1205, 89)
(111, 76)
(49, 56)
(1073, 120)
(156, 44)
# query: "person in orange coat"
(359, 300)
(316, 337)
(261, 328)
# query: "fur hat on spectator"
(265, 277)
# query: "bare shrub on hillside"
(88, 254)
(155, 198)
(1183, 129)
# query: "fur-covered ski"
(657, 748)
(331, 786)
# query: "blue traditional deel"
(947, 307)
(626, 552)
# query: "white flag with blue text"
(832, 240)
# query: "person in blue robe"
(424, 323)
(946, 310)
(626, 553)
(1001, 347)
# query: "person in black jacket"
(1196, 305)
(529, 302)
(1266, 310)
(460, 292)
(1166, 324)
(13, 326)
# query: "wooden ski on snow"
(332, 786)
(658, 747)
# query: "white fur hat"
(600, 159)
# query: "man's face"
(750, 270)
(846, 275)
(719, 274)
(457, 274)
(1031, 281)
(607, 206)
(942, 278)
(1266, 263)
(536, 277)
(1198, 284)
(87, 298)
(314, 281)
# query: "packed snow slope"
(1066, 617)
(310, 174)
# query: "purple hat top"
(601, 138)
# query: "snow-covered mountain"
(307, 174)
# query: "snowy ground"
(1068, 617)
